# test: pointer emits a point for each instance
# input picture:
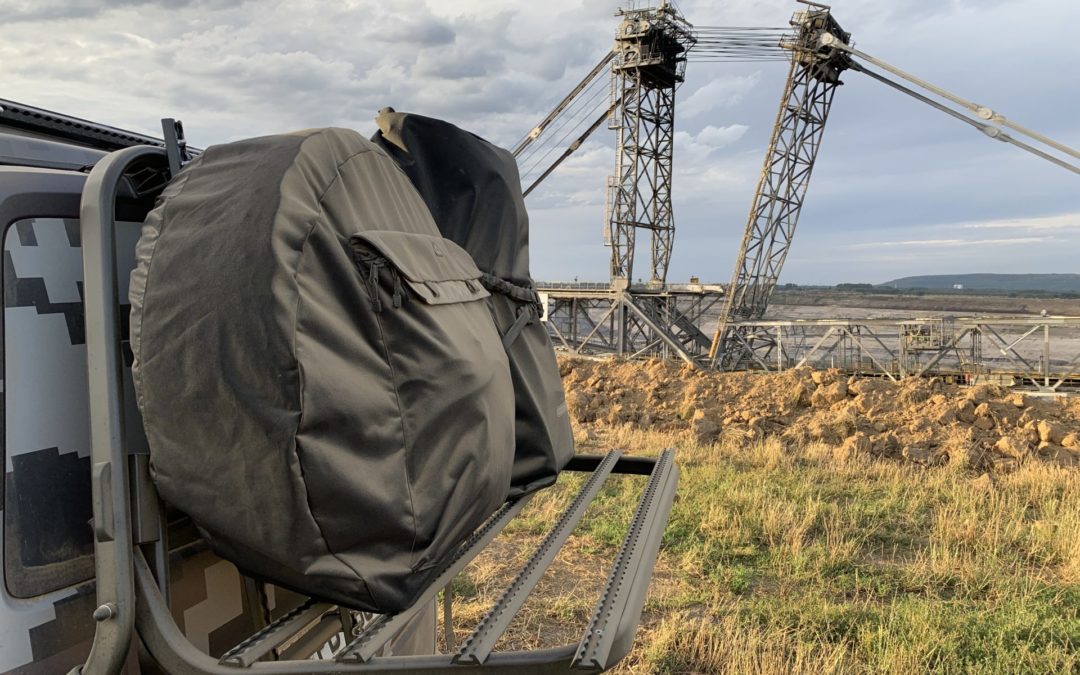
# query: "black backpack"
(473, 191)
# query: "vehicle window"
(47, 514)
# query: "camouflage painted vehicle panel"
(47, 598)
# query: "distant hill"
(1051, 283)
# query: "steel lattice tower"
(650, 63)
(800, 123)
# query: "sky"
(899, 189)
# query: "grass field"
(787, 560)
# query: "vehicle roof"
(21, 148)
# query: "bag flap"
(436, 269)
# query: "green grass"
(782, 560)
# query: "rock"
(981, 393)
(1067, 458)
(577, 402)
(1018, 400)
(965, 411)
(945, 417)
(858, 444)
(1011, 446)
(617, 413)
(885, 444)
(867, 405)
(983, 483)
(977, 430)
(870, 385)
(819, 431)
(918, 425)
(1004, 464)
(704, 428)
(1050, 431)
(829, 394)
(1029, 435)
(966, 455)
(799, 395)
(917, 454)
(1058, 455)
(914, 392)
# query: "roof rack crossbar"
(73, 129)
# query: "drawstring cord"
(398, 293)
(374, 263)
(373, 284)
(525, 315)
(363, 257)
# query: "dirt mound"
(922, 421)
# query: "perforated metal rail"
(606, 639)
(272, 635)
(365, 646)
(624, 594)
(477, 647)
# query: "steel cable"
(581, 103)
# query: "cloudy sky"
(899, 189)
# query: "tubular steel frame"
(650, 63)
(1010, 351)
(778, 200)
(599, 320)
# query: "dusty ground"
(821, 526)
(920, 421)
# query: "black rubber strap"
(524, 318)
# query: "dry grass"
(785, 560)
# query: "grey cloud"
(458, 64)
(426, 31)
(46, 10)
(886, 163)
(720, 92)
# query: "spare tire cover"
(321, 382)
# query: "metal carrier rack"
(132, 552)
(58, 126)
